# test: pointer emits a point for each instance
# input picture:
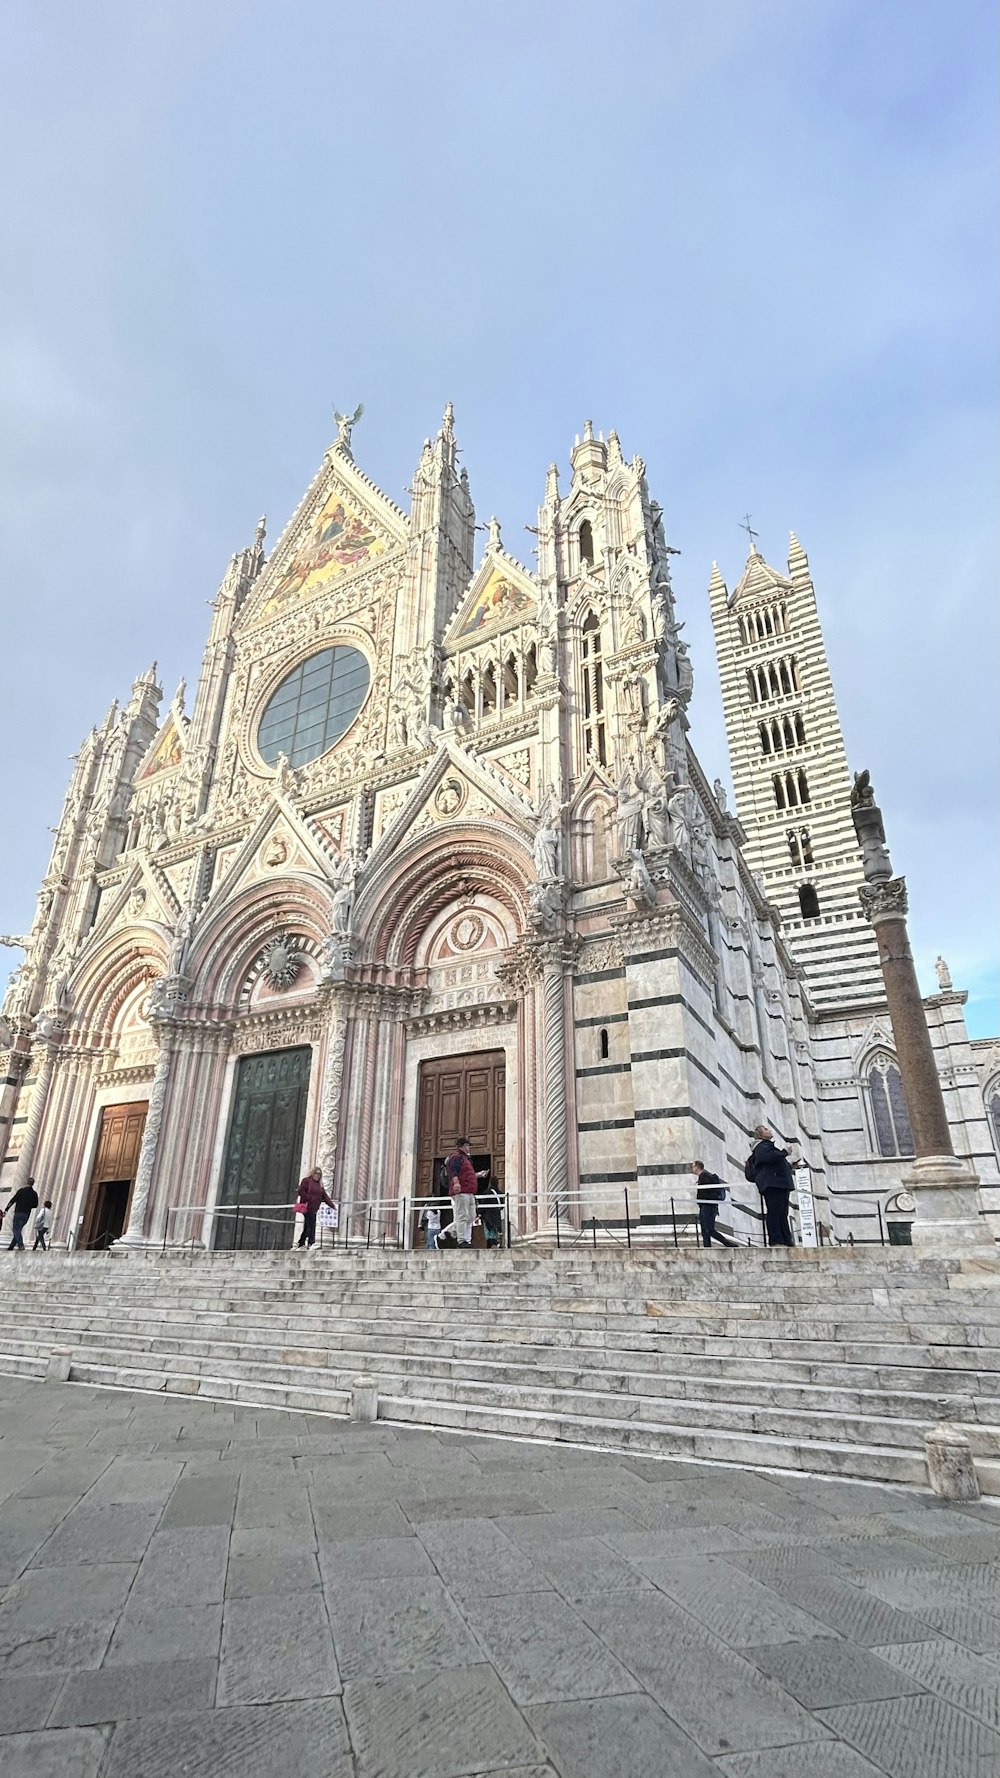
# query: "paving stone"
(200, 1500)
(276, 1648)
(25, 1701)
(374, 1557)
(272, 1540)
(849, 1609)
(270, 1741)
(132, 1480)
(813, 1759)
(615, 1737)
(579, 1566)
(667, 1546)
(69, 1475)
(536, 1526)
(969, 1624)
(56, 1598)
(921, 1737)
(541, 1649)
(55, 1651)
(359, 1518)
(151, 1632)
(914, 1588)
(141, 1690)
(54, 1753)
(970, 1681)
(436, 1725)
(820, 1674)
(283, 1508)
(101, 1534)
(459, 1504)
(256, 1576)
(183, 1567)
(734, 1606)
(721, 1700)
(474, 1556)
(395, 1626)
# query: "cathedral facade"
(431, 854)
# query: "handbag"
(301, 1207)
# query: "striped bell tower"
(790, 774)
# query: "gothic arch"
(225, 948)
(110, 975)
(402, 899)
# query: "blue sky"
(758, 238)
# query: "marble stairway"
(834, 1363)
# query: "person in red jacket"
(463, 1183)
(311, 1195)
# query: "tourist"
(710, 1193)
(430, 1222)
(311, 1196)
(43, 1223)
(769, 1170)
(22, 1204)
(463, 1183)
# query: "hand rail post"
(595, 1232)
(881, 1224)
(628, 1231)
(673, 1221)
(402, 1228)
(558, 1242)
(368, 1236)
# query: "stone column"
(135, 1234)
(36, 1112)
(944, 1187)
(333, 1082)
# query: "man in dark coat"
(769, 1169)
(709, 1193)
(20, 1206)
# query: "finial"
(588, 431)
(552, 482)
(261, 531)
(448, 423)
(746, 526)
(494, 537)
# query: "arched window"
(510, 680)
(593, 689)
(489, 689)
(779, 791)
(788, 732)
(467, 692)
(786, 684)
(808, 902)
(803, 787)
(604, 1045)
(891, 1133)
(743, 630)
(800, 732)
(791, 791)
(530, 669)
(793, 846)
(765, 739)
(807, 850)
(776, 744)
(773, 681)
(586, 543)
(752, 688)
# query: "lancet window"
(890, 1120)
(592, 673)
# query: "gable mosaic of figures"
(426, 820)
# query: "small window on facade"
(800, 732)
(793, 846)
(587, 544)
(592, 673)
(803, 788)
(604, 1045)
(779, 792)
(765, 738)
(808, 902)
(807, 850)
(890, 1119)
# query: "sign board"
(807, 1208)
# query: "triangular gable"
(138, 900)
(594, 780)
(456, 786)
(759, 580)
(501, 592)
(343, 524)
(166, 751)
(876, 1036)
(282, 840)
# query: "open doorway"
(116, 1161)
(461, 1096)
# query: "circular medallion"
(280, 963)
(467, 932)
(449, 796)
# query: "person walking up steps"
(43, 1223)
(710, 1194)
(20, 1206)
(463, 1181)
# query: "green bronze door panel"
(260, 1173)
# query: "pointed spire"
(588, 431)
(798, 561)
(614, 447)
(448, 423)
(552, 483)
(717, 587)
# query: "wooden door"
(112, 1176)
(260, 1175)
(461, 1096)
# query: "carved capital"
(884, 901)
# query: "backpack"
(750, 1170)
(441, 1180)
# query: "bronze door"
(264, 1151)
(112, 1175)
(461, 1096)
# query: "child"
(43, 1223)
(430, 1222)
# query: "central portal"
(461, 1096)
(264, 1151)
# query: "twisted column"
(134, 1235)
(554, 1078)
(36, 1112)
(333, 1081)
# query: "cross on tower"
(746, 526)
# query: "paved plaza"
(189, 1588)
